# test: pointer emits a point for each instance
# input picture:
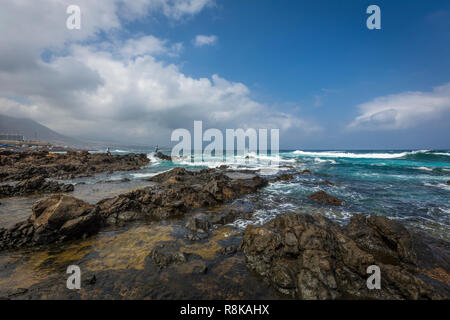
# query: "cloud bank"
(94, 83)
(404, 110)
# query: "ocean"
(407, 185)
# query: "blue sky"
(312, 63)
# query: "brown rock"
(57, 210)
(54, 219)
(34, 185)
(167, 254)
(324, 198)
(283, 177)
(162, 156)
(310, 257)
(180, 191)
(17, 166)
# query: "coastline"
(187, 234)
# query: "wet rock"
(448, 182)
(192, 267)
(310, 257)
(198, 223)
(18, 166)
(192, 237)
(230, 250)
(326, 182)
(179, 191)
(162, 156)
(91, 280)
(54, 219)
(305, 172)
(283, 177)
(165, 255)
(34, 185)
(226, 216)
(324, 198)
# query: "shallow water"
(118, 257)
(91, 190)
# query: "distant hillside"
(33, 130)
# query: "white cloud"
(179, 8)
(148, 45)
(115, 89)
(202, 40)
(404, 110)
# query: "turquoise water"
(403, 184)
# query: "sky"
(137, 70)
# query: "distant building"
(12, 137)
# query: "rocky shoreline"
(310, 257)
(19, 166)
(34, 185)
(61, 217)
(298, 255)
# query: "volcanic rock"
(162, 156)
(165, 255)
(17, 166)
(178, 192)
(324, 198)
(57, 218)
(34, 185)
(311, 257)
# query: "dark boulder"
(324, 198)
(57, 218)
(165, 255)
(34, 185)
(283, 177)
(199, 223)
(162, 156)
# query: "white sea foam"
(145, 175)
(153, 160)
(339, 154)
(423, 168)
(318, 160)
(262, 216)
(440, 185)
(442, 154)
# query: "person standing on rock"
(156, 149)
(108, 152)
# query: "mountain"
(33, 130)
